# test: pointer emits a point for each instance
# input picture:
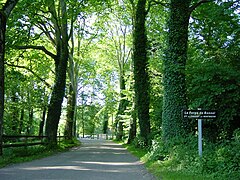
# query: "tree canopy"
(126, 68)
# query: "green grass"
(140, 153)
(164, 173)
(25, 154)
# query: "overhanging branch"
(41, 48)
(194, 6)
(35, 74)
(8, 7)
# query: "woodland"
(126, 68)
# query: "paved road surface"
(94, 160)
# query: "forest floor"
(93, 160)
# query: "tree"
(212, 68)
(54, 25)
(61, 60)
(141, 70)
(28, 75)
(82, 33)
(174, 99)
(116, 43)
(5, 11)
(69, 131)
(122, 57)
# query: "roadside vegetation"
(24, 154)
(126, 68)
(180, 159)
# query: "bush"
(158, 150)
(219, 161)
(139, 142)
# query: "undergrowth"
(179, 159)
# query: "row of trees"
(137, 60)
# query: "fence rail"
(24, 140)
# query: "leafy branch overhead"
(41, 48)
(194, 6)
(127, 68)
(33, 72)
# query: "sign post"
(199, 115)
(200, 136)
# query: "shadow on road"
(93, 160)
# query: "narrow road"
(93, 160)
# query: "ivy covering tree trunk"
(141, 70)
(174, 100)
(121, 108)
(133, 125)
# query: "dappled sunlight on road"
(111, 163)
(75, 168)
(93, 160)
(55, 168)
(106, 147)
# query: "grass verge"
(160, 170)
(25, 154)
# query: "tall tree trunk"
(42, 122)
(55, 106)
(105, 123)
(21, 121)
(70, 129)
(133, 125)
(2, 52)
(174, 99)
(121, 108)
(141, 70)
(69, 126)
(4, 14)
(30, 122)
(15, 113)
(75, 134)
